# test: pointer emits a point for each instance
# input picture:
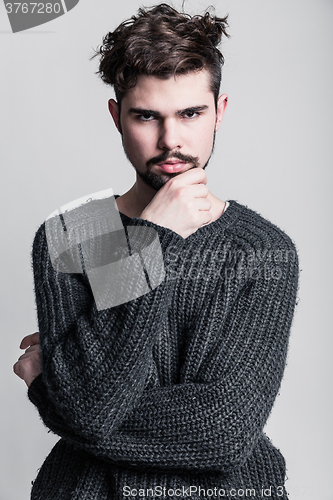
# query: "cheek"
(136, 137)
(202, 140)
(137, 144)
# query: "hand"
(28, 366)
(181, 204)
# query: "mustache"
(168, 156)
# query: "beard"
(154, 180)
(158, 180)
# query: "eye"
(191, 114)
(146, 117)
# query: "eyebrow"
(143, 111)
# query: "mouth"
(171, 167)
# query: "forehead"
(179, 92)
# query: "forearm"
(189, 426)
(95, 363)
(213, 424)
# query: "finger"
(199, 191)
(32, 349)
(30, 355)
(193, 176)
(17, 369)
(27, 369)
(206, 217)
(204, 204)
(30, 340)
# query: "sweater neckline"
(222, 222)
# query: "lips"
(172, 167)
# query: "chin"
(155, 181)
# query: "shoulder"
(39, 244)
(250, 229)
(255, 247)
(40, 233)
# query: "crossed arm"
(208, 423)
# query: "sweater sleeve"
(213, 419)
(95, 364)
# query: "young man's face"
(168, 126)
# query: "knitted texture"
(171, 390)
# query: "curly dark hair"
(163, 42)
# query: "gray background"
(273, 153)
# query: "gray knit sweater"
(167, 395)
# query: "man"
(168, 394)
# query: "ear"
(221, 107)
(114, 111)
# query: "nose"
(170, 135)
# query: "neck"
(134, 201)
